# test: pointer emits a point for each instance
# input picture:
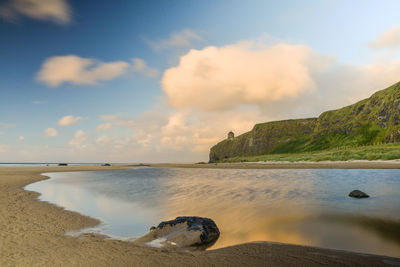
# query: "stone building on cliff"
(231, 135)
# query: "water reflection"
(308, 207)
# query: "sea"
(31, 164)
(297, 206)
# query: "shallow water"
(309, 207)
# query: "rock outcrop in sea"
(358, 194)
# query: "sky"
(163, 81)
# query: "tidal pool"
(307, 207)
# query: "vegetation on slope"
(372, 152)
(372, 121)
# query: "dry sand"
(32, 233)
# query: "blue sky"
(154, 114)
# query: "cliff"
(369, 121)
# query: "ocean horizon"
(56, 163)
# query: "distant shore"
(32, 233)
(360, 164)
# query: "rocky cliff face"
(372, 120)
(263, 138)
(379, 114)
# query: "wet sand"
(32, 233)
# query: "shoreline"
(393, 164)
(33, 232)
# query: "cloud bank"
(166, 135)
(57, 11)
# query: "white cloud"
(69, 120)
(50, 132)
(139, 65)
(85, 71)
(77, 70)
(105, 126)
(183, 38)
(219, 78)
(388, 39)
(21, 138)
(79, 139)
(57, 11)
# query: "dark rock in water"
(106, 164)
(358, 194)
(183, 232)
(62, 164)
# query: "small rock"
(358, 194)
(184, 232)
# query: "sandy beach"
(32, 232)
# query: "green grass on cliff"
(368, 134)
(370, 152)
